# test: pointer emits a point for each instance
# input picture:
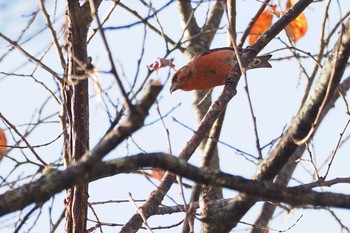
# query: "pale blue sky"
(275, 92)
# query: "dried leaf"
(261, 25)
(298, 27)
(157, 174)
(161, 62)
(3, 141)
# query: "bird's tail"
(260, 62)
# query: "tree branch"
(86, 171)
(32, 58)
(301, 125)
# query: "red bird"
(210, 69)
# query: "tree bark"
(79, 20)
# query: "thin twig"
(103, 21)
(336, 149)
(238, 151)
(252, 114)
(36, 146)
(140, 212)
(141, 55)
(53, 33)
(31, 57)
(312, 160)
(251, 23)
(168, 39)
(22, 138)
(325, 98)
(25, 218)
(110, 57)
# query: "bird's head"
(180, 79)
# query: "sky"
(275, 93)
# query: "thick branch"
(78, 107)
(251, 23)
(187, 18)
(286, 173)
(327, 84)
(201, 42)
(83, 172)
(300, 127)
(134, 121)
(19, 198)
(216, 109)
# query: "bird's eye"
(185, 72)
(175, 77)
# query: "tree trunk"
(79, 18)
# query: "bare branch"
(23, 139)
(251, 23)
(110, 57)
(31, 57)
(41, 190)
(53, 33)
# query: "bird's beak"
(174, 86)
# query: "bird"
(210, 69)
